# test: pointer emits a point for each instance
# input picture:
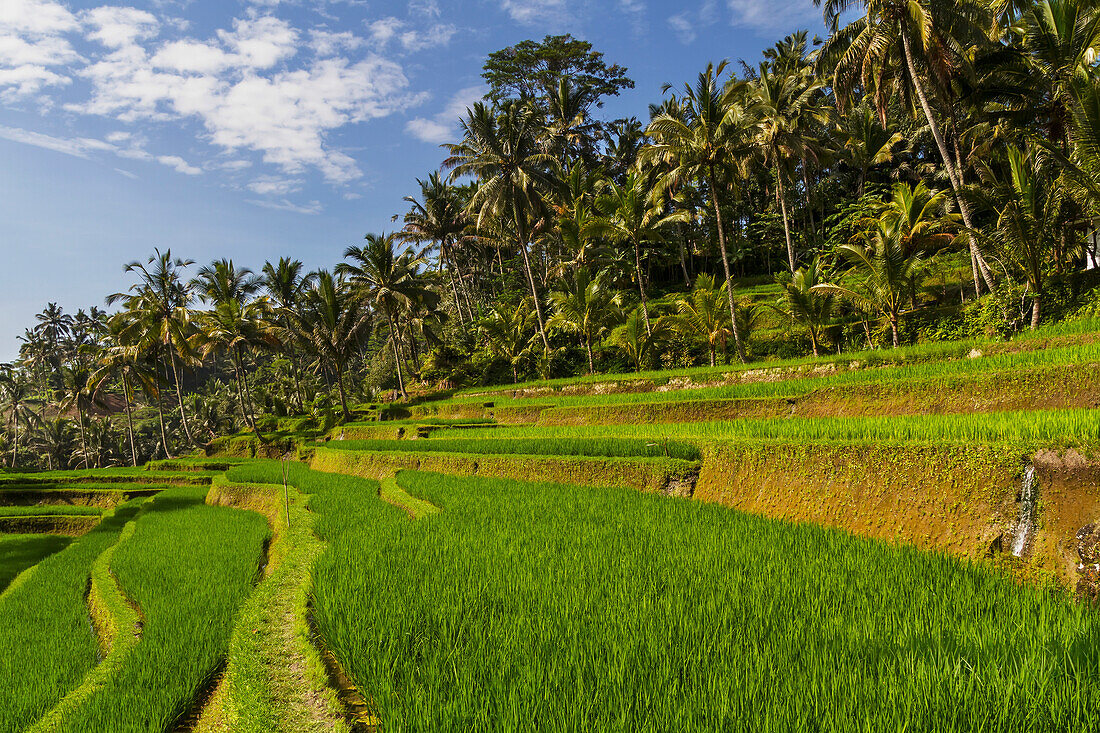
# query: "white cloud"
(430, 131)
(274, 185)
(682, 26)
(179, 164)
(328, 43)
(128, 174)
(530, 12)
(443, 127)
(84, 147)
(312, 207)
(774, 15)
(57, 144)
(117, 27)
(248, 87)
(385, 30)
(32, 46)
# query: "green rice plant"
(188, 567)
(1050, 428)
(548, 607)
(21, 551)
(46, 642)
(50, 511)
(606, 446)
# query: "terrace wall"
(664, 475)
(960, 499)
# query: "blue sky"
(255, 129)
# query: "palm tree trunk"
(894, 329)
(979, 266)
(1035, 307)
(179, 391)
(83, 438)
(641, 287)
(726, 265)
(781, 194)
(535, 296)
(15, 440)
(129, 417)
(160, 407)
(588, 348)
(396, 355)
(343, 394)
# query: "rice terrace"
(666, 393)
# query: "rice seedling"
(46, 641)
(547, 607)
(607, 446)
(50, 511)
(1049, 428)
(20, 551)
(188, 567)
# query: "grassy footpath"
(188, 567)
(543, 607)
(45, 626)
(20, 551)
(274, 679)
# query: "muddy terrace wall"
(958, 499)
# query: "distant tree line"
(931, 170)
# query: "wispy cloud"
(85, 147)
(531, 12)
(443, 127)
(312, 207)
(774, 16)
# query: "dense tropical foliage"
(929, 171)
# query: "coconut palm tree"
(507, 332)
(718, 137)
(636, 341)
(911, 47)
(234, 328)
(285, 285)
(885, 275)
(75, 393)
(866, 141)
(500, 148)
(628, 216)
(785, 98)
(1028, 204)
(439, 218)
(702, 315)
(919, 217)
(164, 296)
(803, 304)
(332, 323)
(387, 281)
(16, 393)
(586, 306)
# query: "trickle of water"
(1025, 523)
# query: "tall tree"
(285, 285)
(586, 306)
(718, 137)
(164, 296)
(500, 148)
(387, 281)
(901, 46)
(333, 323)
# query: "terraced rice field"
(861, 544)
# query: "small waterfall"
(1025, 523)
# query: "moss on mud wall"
(952, 498)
